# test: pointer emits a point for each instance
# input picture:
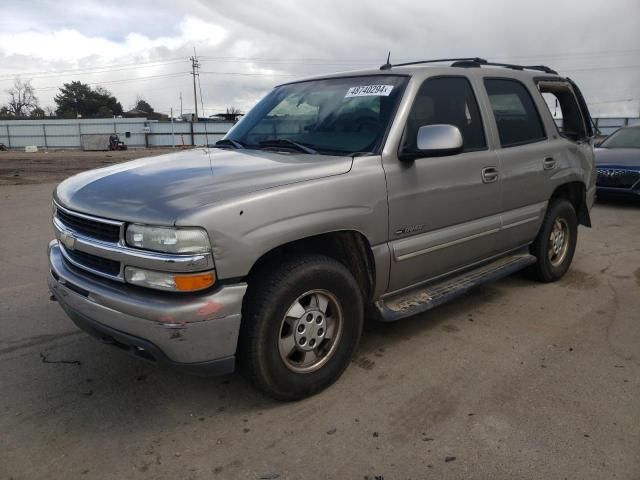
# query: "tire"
(554, 259)
(287, 299)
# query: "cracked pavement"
(515, 380)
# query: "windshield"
(338, 116)
(623, 138)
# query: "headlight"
(168, 239)
(173, 282)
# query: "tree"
(77, 98)
(5, 113)
(22, 98)
(143, 105)
(233, 111)
(37, 113)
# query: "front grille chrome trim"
(67, 257)
(88, 217)
(91, 218)
(125, 255)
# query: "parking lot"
(515, 380)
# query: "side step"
(425, 297)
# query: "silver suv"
(383, 191)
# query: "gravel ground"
(20, 168)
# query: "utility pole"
(173, 133)
(180, 104)
(195, 67)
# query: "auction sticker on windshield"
(369, 91)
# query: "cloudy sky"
(141, 48)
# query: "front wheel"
(302, 320)
(556, 241)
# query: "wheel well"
(350, 248)
(575, 192)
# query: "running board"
(425, 297)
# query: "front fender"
(244, 229)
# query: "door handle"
(489, 174)
(549, 163)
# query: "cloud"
(598, 47)
(70, 45)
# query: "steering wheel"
(367, 124)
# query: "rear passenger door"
(525, 156)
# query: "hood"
(156, 190)
(619, 157)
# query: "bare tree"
(233, 110)
(22, 98)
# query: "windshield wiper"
(227, 142)
(285, 142)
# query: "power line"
(265, 74)
(123, 80)
(280, 61)
(622, 100)
(589, 69)
(329, 61)
(93, 70)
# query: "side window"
(447, 100)
(564, 108)
(516, 115)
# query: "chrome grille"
(104, 231)
(93, 262)
(617, 177)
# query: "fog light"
(173, 282)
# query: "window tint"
(624, 138)
(448, 100)
(516, 115)
(335, 116)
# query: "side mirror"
(435, 141)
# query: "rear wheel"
(556, 241)
(301, 323)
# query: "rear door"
(526, 158)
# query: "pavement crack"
(45, 359)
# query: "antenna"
(206, 132)
(387, 66)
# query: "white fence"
(135, 132)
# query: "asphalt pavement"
(515, 380)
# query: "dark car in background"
(618, 163)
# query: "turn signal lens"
(190, 283)
(173, 282)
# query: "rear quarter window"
(516, 115)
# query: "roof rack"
(470, 62)
(388, 66)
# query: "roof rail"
(512, 66)
(472, 62)
(388, 66)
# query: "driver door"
(444, 212)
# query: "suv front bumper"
(194, 331)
